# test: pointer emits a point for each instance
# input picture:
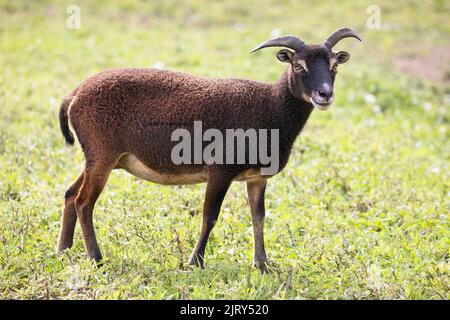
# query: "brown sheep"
(125, 118)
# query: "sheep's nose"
(326, 94)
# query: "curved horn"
(338, 35)
(291, 42)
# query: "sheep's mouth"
(321, 105)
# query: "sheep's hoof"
(196, 260)
(96, 259)
(262, 266)
(61, 246)
(60, 250)
(99, 264)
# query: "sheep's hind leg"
(216, 189)
(95, 176)
(255, 192)
(69, 217)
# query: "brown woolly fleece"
(135, 111)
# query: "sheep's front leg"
(216, 189)
(255, 192)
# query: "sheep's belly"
(134, 166)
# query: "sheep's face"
(312, 67)
(312, 73)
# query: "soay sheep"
(125, 118)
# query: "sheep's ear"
(342, 57)
(285, 55)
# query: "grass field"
(360, 212)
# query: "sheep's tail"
(64, 120)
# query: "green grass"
(360, 212)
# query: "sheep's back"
(147, 97)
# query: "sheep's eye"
(334, 67)
(299, 67)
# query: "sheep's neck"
(295, 113)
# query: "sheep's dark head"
(313, 68)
